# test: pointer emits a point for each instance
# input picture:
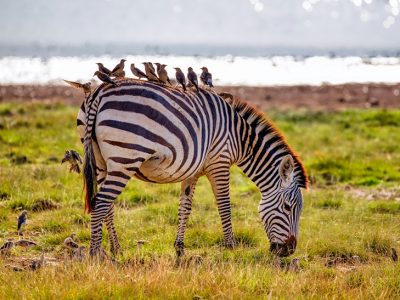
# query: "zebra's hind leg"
(110, 189)
(185, 206)
(115, 247)
(218, 175)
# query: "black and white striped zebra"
(161, 134)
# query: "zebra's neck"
(261, 149)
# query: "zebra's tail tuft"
(89, 177)
(89, 164)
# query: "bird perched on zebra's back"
(206, 77)
(104, 78)
(74, 159)
(22, 218)
(118, 70)
(192, 78)
(225, 95)
(103, 69)
(151, 66)
(162, 73)
(150, 72)
(180, 77)
(84, 86)
(137, 72)
(7, 246)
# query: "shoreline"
(324, 97)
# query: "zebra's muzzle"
(285, 249)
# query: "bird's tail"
(89, 164)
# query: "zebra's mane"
(263, 126)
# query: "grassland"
(350, 221)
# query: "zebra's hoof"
(232, 244)
(180, 248)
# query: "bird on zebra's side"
(84, 86)
(176, 145)
(118, 70)
(74, 160)
(206, 77)
(104, 78)
(180, 77)
(162, 73)
(150, 72)
(70, 243)
(103, 69)
(6, 248)
(192, 78)
(25, 243)
(137, 72)
(21, 221)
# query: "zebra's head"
(280, 209)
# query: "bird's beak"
(94, 74)
(64, 160)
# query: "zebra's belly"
(158, 170)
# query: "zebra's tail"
(89, 164)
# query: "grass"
(344, 153)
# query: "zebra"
(161, 134)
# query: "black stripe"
(141, 131)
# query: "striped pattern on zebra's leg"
(110, 189)
(185, 207)
(115, 247)
(219, 179)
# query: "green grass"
(349, 156)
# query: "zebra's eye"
(287, 207)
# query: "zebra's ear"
(286, 169)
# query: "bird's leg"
(185, 207)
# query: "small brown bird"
(79, 253)
(151, 67)
(25, 243)
(103, 69)
(294, 265)
(192, 78)
(37, 263)
(104, 78)
(180, 77)
(162, 73)
(74, 159)
(137, 72)
(225, 95)
(84, 86)
(394, 255)
(119, 69)
(7, 246)
(150, 73)
(22, 218)
(70, 243)
(206, 77)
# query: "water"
(226, 70)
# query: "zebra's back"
(172, 132)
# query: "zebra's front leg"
(219, 179)
(185, 207)
(110, 189)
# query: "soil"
(325, 97)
